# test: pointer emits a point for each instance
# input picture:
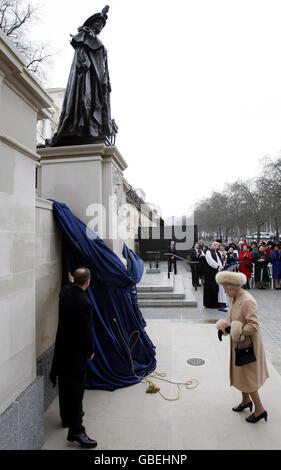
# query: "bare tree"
(250, 198)
(270, 185)
(243, 205)
(16, 19)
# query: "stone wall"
(48, 285)
(48, 275)
(22, 100)
(17, 273)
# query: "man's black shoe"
(82, 439)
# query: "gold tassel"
(152, 388)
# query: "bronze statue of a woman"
(86, 117)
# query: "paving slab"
(202, 418)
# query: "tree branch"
(18, 22)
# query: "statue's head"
(96, 25)
(97, 21)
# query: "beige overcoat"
(248, 378)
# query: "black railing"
(192, 263)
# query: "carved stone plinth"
(88, 178)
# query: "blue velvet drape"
(113, 294)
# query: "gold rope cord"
(152, 388)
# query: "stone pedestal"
(88, 178)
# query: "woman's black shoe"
(243, 407)
(82, 439)
(255, 419)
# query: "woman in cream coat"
(243, 319)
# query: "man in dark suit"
(172, 259)
(74, 346)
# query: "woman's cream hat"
(230, 278)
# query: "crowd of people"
(252, 259)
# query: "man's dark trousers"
(174, 262)
(71, 392)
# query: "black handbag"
(245, 354)
(249, 265)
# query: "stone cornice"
(77, 151)
(17, 76)
(44, 161)
(114, 153)
(135, 200)
(43, 203)
(19, 147)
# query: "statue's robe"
(86, 114)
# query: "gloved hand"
(223, 328)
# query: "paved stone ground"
(202, 418)
(268, 300)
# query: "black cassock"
(195, 267)
(211, 288)
(74, 344)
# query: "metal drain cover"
(195, 361)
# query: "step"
(176, 298)
(156, 282)
(161, 295)
(167, 303)
(176, 293)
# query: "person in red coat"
(246, 266)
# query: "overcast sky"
(196, 88)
